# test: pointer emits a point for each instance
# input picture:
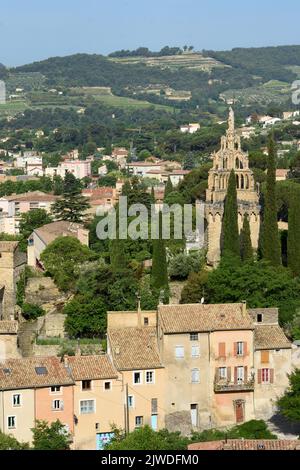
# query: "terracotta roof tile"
(48, 233)
(24, 373)
(270, 337)
(8, 247)
(197, 317)
(91, 368)
(247, 444)
(134, 348)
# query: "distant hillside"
(3, 72)
(270, 63)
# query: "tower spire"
(231, 119)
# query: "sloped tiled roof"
(8, 327)
(33, 196)
(49, 232)
(8, 247)
(270, 337)
(23, 373)
(134, 348)
(197, 317)
(248, 444)
(91, 368)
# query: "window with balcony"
(240, 348)
(222, 373)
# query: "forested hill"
(266, 62)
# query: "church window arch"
(242, 182)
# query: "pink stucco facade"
(47, 410)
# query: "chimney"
(244, 307)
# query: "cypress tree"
(230, 229)
(293, 248)
(152, 195)
(245, 240)
(159, 273)
(169, 187)
(118, 259)
(271, 248)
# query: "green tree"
(72, 206)
(294, 233)
(245, 241)
(159, 273)
(168, 187)
(271, 249)
(32, 311)
(289, 403)
(230, 229)
(50, 436)
(194, 290)
(254, 429)
(118, 259)
(10, 443)
(63, 260)
(147, 439)
(86, 316)
(182, 265)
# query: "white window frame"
(266, 382)
(141, 377)
(15, 422)
(240, 377)
(153, 377)
(223, 377)
(20, 399)
(56, 392)
(193, 371)
(139, 425)
(110, 386)
(177, 348)
(193, 349)
(132, 401)
(240, 347)
(94, 406)
(61, 404)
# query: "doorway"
(239, 412)
(194, 415)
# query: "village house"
(190, 128)
(98, 400)
(34, 389)
(43, 236)
(79, 168)
(133, 348)
(104, 199)
(282, 174)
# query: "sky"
(33, 30)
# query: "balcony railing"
(222, 385)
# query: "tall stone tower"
(230, 157)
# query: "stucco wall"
(24, 414)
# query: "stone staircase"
(26, 337)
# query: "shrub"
(32, 311)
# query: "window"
(139, 420)
(11, 422)
(240, 349)
(137, 378)
(179, 352)
(194, 337)
(154, 406)
(195, 376)
(41, 370)
(149, 377)
(223, 373)
(264, 357)
(130, 401)
(16, 400)
(107, 385)
(57, 405)
(240, 375)
(265, 376)
(146, 321)
(259, 318)
(87, 407)
(55, 389)
(86, 385)
(195, 351)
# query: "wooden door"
(239, 412)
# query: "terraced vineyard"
(272, 91)
(190, 61)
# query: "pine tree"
(230, 229)
(159, 273)
(271, 249)
(169, 187)
(72, 206)
(245, 241)
(294, 233)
